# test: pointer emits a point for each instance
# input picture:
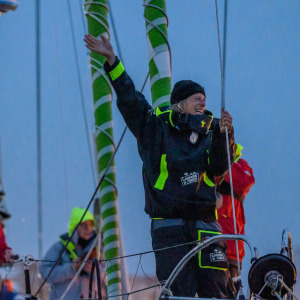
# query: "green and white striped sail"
(96, 13)
(159, 53)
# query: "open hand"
(225, 120)
(102, 47)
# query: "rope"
(224, 52)
(223, 67)
(287, 288)
(113, 154)
(137, 269)
(115, 31)
(60, 100)
(90, 202)
(82, 17)
(125, 294)
(118, 257)
(38, 131)
(79, 80)
(133, 292)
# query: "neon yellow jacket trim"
(117, 71)
(160, 183)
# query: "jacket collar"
(186, 123)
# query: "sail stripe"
(105, 150)
(102, 100)
(107, 190)
(157, 22)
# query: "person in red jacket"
(5, 252)
(242, 179)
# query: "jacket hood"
(76, 215)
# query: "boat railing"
(166, 291)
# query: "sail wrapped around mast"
(96, 13)
(159, 52)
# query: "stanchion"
(28, 260)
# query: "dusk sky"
(262, 92)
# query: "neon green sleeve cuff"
(117, 71)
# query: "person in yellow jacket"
(81, 242)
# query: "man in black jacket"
(182, 149)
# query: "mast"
(96, 13)
(159, 52)
(38, 124)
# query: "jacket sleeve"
(218, 152)
(242, 178)
(136, 111)
(64, 271)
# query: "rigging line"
(224, 51)
(38, 132)
(288, 289)
(219, 45)
(222, 66)
(91, 200)
(82, 16)
(125, 256)
(68, 241)
(81, 93)
(137, 269)
(115, 31)
(146, 274)
(62, 135)
(18, 261)
(125, 294)
(54, 288)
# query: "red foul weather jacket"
(243, 179)
(3, 246)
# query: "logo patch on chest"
(217, 255)
(194, 137)
(189, 178)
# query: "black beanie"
(185, 88)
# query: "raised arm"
(133, 106)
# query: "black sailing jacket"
(181, 153)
